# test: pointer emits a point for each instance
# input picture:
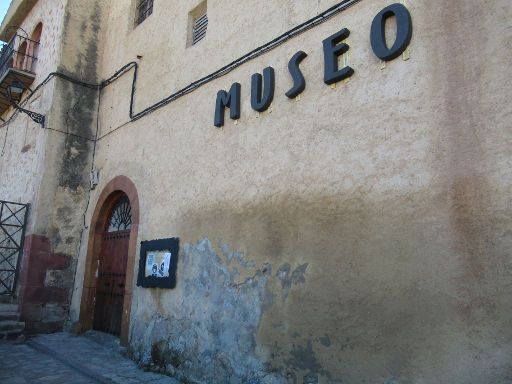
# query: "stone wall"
(22, 156)
(49, 168)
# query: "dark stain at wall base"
(371, 263)
(214, 338)
(303, 357)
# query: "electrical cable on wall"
(5, 140)
(301, 28)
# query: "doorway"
(109, 265)
(111, 275)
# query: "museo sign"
(263, 87)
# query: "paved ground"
(63, 359)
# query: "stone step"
(9, 316)
(6, 299)
(11, 325)
(12, 334)
(8, 307)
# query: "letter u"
(258, 102)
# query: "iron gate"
(13, 220)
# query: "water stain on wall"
(214, 337)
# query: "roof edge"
(17, 12)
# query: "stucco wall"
(360, 234)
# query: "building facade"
(357, 230)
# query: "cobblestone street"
(62, 359)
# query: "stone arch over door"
(116, 188)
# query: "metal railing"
(13, 221)
(20, 53)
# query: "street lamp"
(14, 92)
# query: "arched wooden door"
(111, 273)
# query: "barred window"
(144, 9)
(121, 216)
(197, 24)
(199, 29)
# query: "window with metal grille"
(199, 28)
(121, 216)
(144, 9)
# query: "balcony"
(18, 60)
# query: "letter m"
(231, 100)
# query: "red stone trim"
(33, 294)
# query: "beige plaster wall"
(360, 234)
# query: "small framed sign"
(158, 262)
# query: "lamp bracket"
(36, 117)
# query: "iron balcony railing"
(20, 53)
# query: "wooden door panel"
(110, 284)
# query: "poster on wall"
(158, 262)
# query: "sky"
(4, 4)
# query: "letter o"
(403, 34)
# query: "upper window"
(199, 30)
(198, 23)
(33, 48)
(144, 9)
